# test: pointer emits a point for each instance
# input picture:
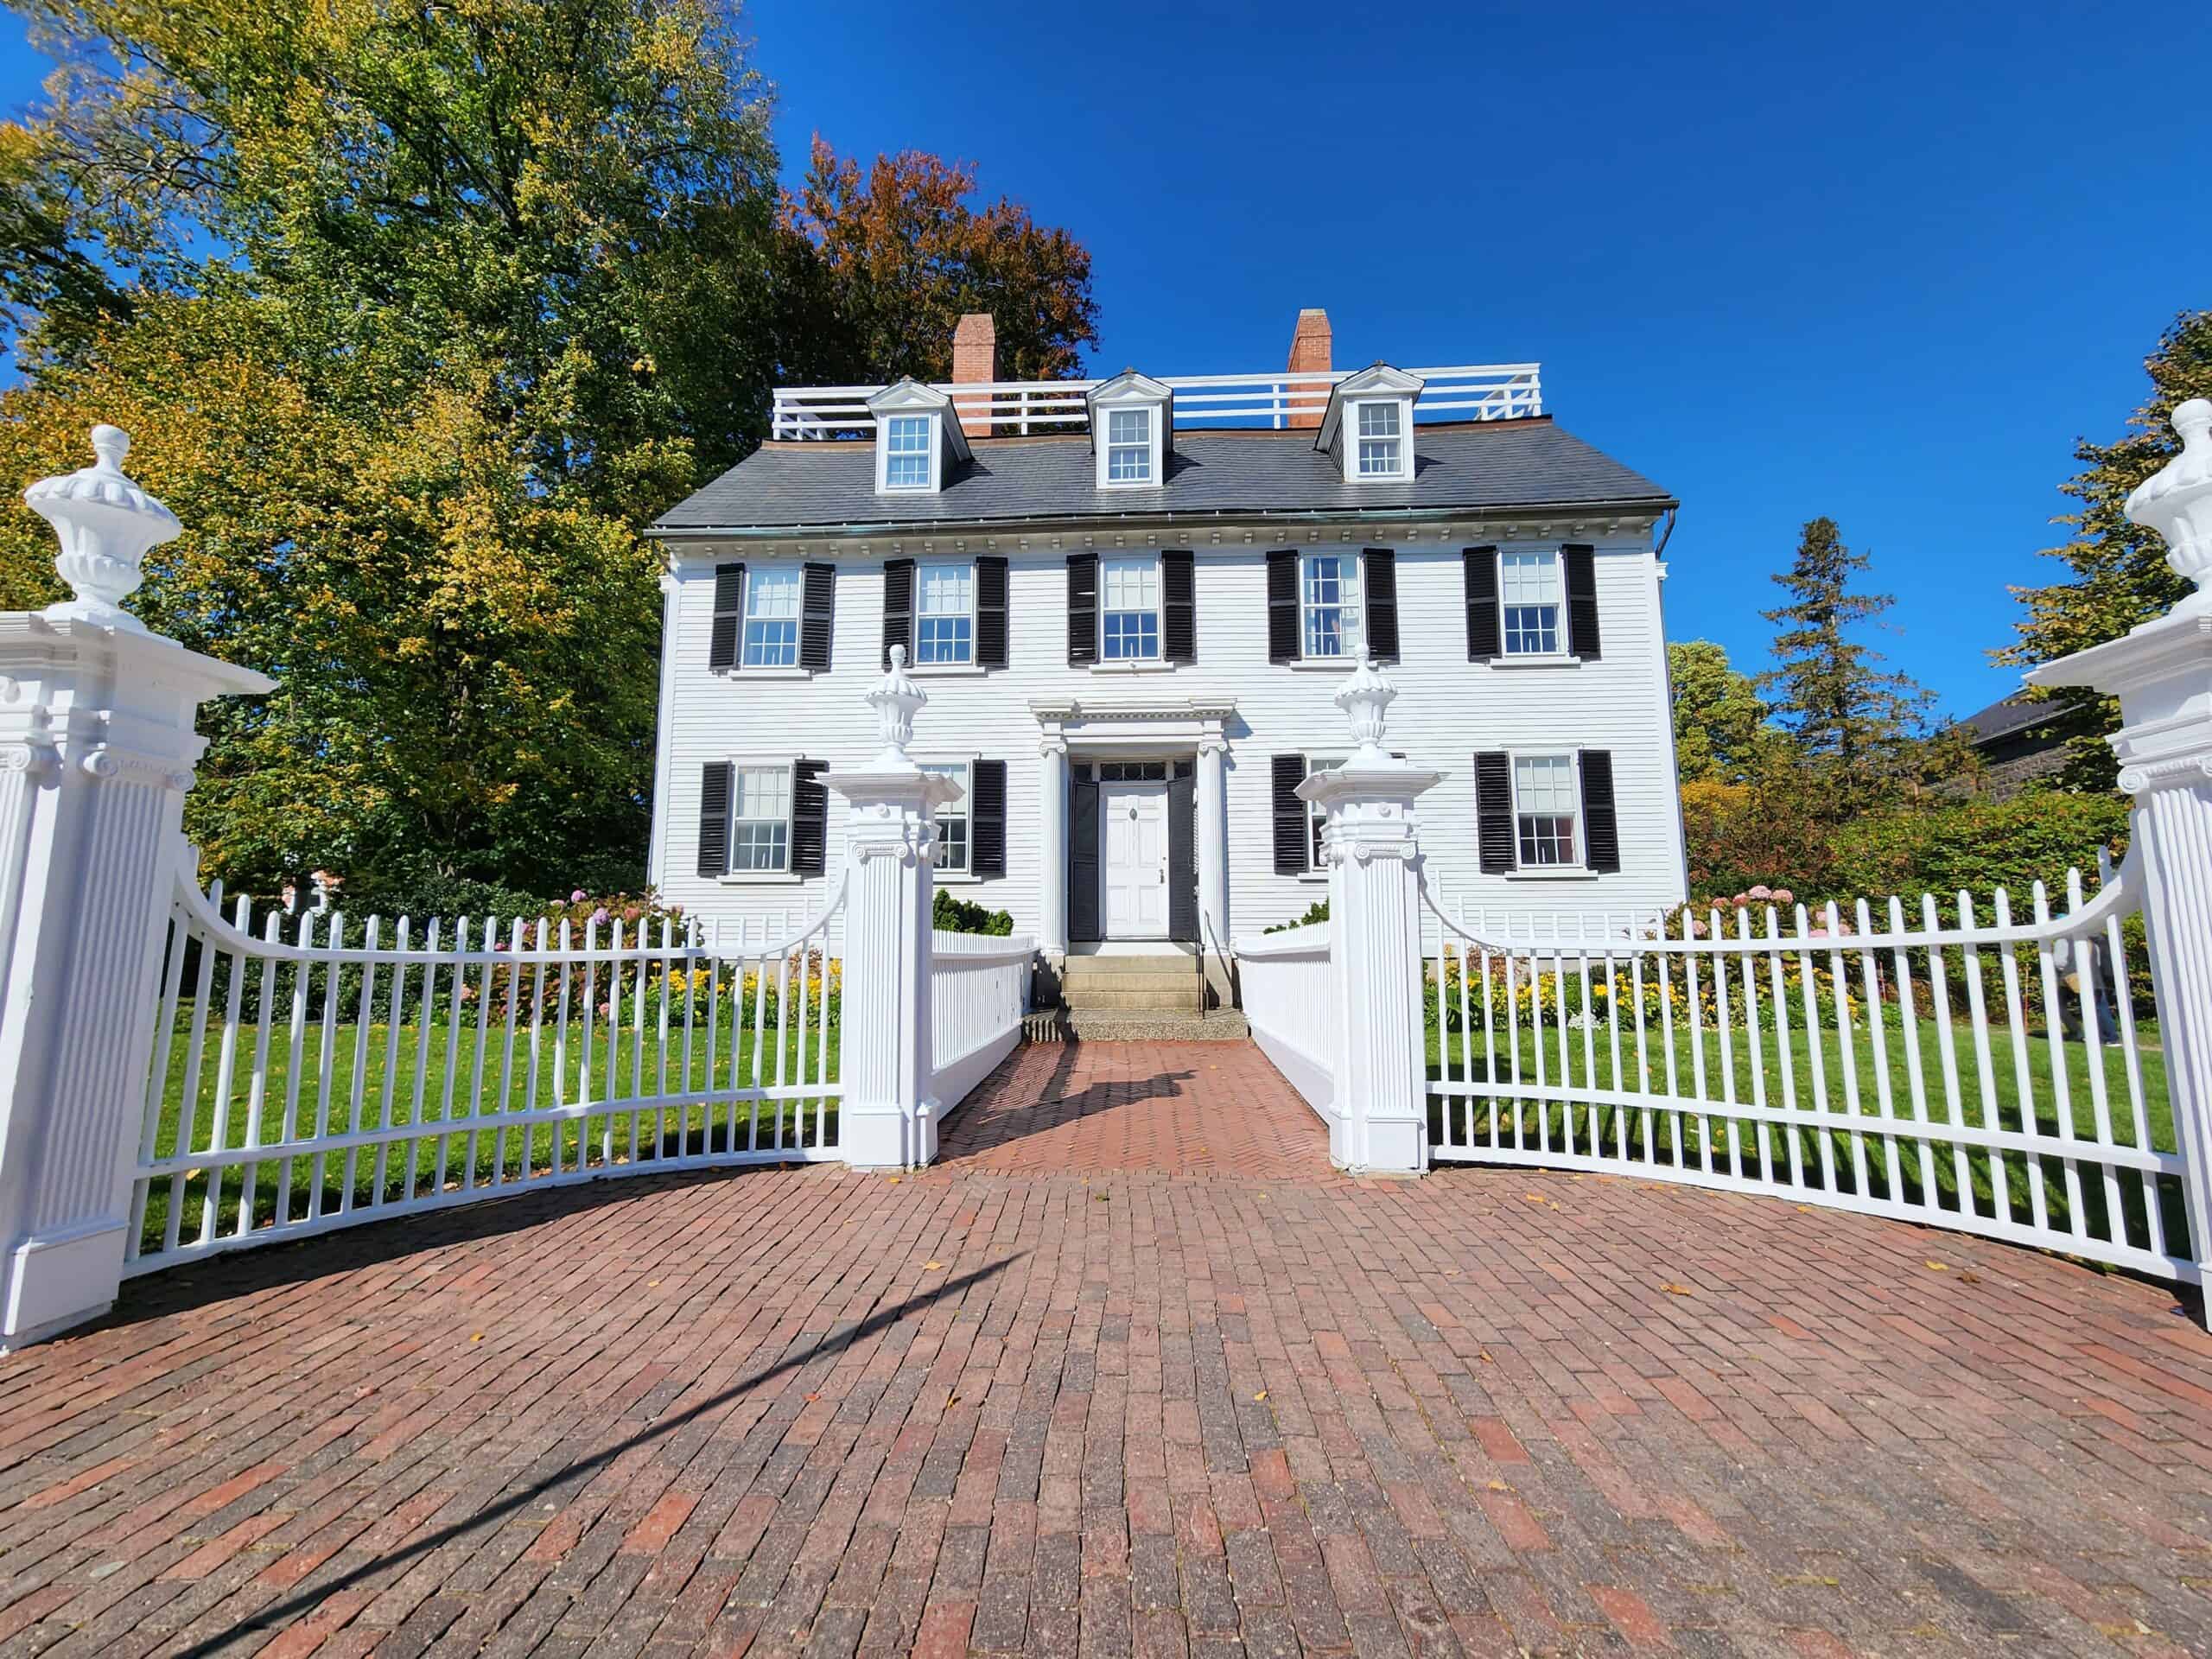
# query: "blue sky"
(1886, 265)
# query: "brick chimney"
(975, 362)
(1309, 354)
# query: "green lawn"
(1882, 1166)
(431, 1076)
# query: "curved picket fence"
(1960, 1069)
(978, 987)
(308, 1073)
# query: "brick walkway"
(1019, 1402)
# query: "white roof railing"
(1482, 391)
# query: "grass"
(433, 1075)
(2078, 1199)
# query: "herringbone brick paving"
(1024, 1402)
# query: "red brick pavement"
(1020, 1403)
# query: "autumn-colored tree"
(1719, 716)
(2120, 575)
(418, 315)
(876, 268)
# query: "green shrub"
(951, 915)
(1317, 912)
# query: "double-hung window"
(760, 818)
(1129, 609)
(1529, 602)
(772, 608)
(952, 821)
(1128, 445)
(1328, 605)
(1316, 814)
(1380, 438)
(945, 623)
(1545, 806)
(906, 453)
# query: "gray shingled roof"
(2011, 715)
(1484, 464)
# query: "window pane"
(951, 821)
(1130, 626)
(772, 608)
(1319, 763)
(1528, 591)
(945, 630)
(1126, 463)
(1331, 616)
(906, 452)
(1544, 805)
(1128, 426)
(1378, 456)
(1378, 420)
(760, 813)
(946, 589)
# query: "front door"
(1135, 864)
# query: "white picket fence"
(978, 989)
(1944, 1072)
(1293, 1006)
(310, 1074)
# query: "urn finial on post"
(896, 699)
(2176, 502)
(105, 524)
(1366, 699)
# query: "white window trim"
(921, 570)
(1316, 816)
(1565, 655)
(1572, 756)
(786, 876)
(936, 450)
(1134, 665)
(1351, 598)
(958, 878)
(1348, 436)
(1155, 414)
(793, 669)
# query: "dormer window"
(906, 453)
(1382, 439)
(1132, 426)
(1369, 425)
(918, 439)
(1128, 445)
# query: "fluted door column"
(1052, 849)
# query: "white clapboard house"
(1130, 602)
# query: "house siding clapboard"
(1448, 710)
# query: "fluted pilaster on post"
(887, 1120)
(97, 748)
(1371, 844)
(2161, 673)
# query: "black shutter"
(1178, 606)
(1083, 610)
(1601, 831)
(1083, 862)
(1581, 599)
(1292, 816)
(1282, 608)
(1183, 856)
(817, 616)
(1494, 811)
(810, 818)
(987, 818)
(990, 613)
(898, 608)
(1379, 576)
(714, 818)
(729, 615)
(1482, 603)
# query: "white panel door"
(1135, 865)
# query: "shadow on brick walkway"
(1008, 1405)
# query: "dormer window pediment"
(1132, 430)
(1369, 425)
(918, 439)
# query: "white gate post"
(885, 1067)
(2161, 673)
(97, 748)
(1371, 845)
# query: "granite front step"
(1078, 1025)
(1182, 998)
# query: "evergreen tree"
(2120, 574)
(1857, 727)
(1717, 714)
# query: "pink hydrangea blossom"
(577, 897)
(1784, 896)
(598, 915)
(1762, 891)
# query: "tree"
(2120, 575)
(44, 275)
(1856, 726)
(1719, 715)
(875, 271)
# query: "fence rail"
(1975, 1073)
(978, 992)
(1292, 1004)
(1483, 391)
(305, 1075)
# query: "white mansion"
(1130, 600)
